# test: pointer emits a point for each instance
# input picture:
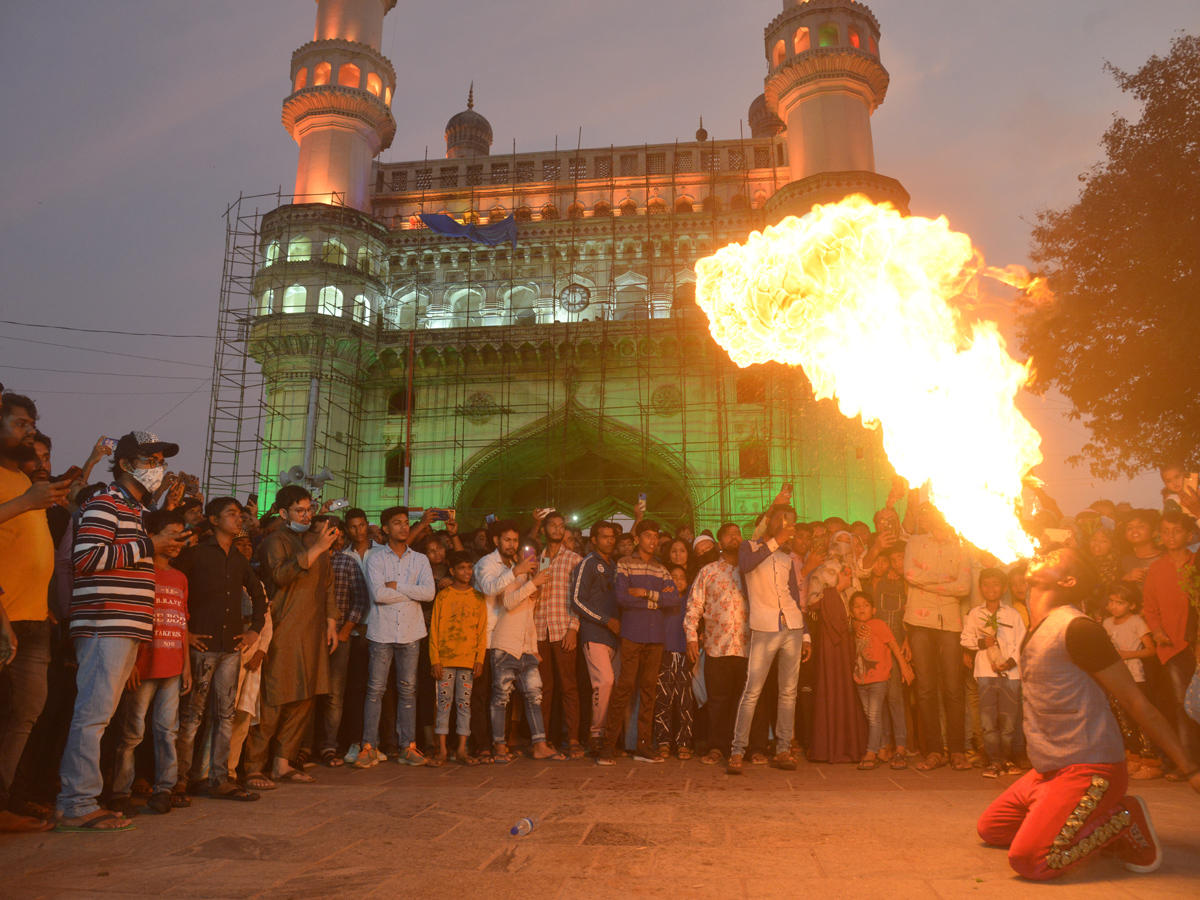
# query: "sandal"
(331, 759)
(684, 753)
(866, 765)
(758, 759)
(960, 763)
(92, 825)
(259, 782)
(899, 762)
(931, 762)
(485, 757)
(466, 759)
(235, 792)
(734, 766)
(295, 776)
(576, 750)
(712, 758)
(180, 800)
(503, 759)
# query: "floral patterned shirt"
(718, 596)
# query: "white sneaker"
(351, 754)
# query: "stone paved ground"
(677, 831)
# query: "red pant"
(1054, 822)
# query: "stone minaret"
(824, 81)
(339, 111)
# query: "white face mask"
(150, 479)
(298, 527)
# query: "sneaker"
(1139, 847)
(647, 755)
(1013, 768)
(606, 757)
(351, 754)
(992, 771)
(411, 756)
(367, 757)
(1147, 773)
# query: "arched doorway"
(578, 465)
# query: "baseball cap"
(140, 442)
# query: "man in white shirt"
(399, 579)
(776, 629)
(512, 595)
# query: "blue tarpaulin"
(496, 233)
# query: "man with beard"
(718, 596)
(557, 635)
(26, 565)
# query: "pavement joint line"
(816, 862)
(542, 771)
(424, 810)
(791, 787)
(487, 862)
(585, 782)
(586, 832)
(687, 784)
(897, 784)
(822, 774)
(745, 889)
(448, 830)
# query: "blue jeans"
(163, 694)
(999, 709)
(379, 662)
(454, 686)
(895, 728)
(873, 697)
(506, 670)
(329, 706)
(788, 645)
(104, 667)
(214, 690)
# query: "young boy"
(457, 650)
(994, 634)
(162, 672)
(1073, 804)
(1131, 636)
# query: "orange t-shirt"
(26, 555)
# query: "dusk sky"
(132, 124)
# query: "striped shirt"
(114, 569)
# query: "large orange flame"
(863, 299)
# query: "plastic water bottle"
(523, 827)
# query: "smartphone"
(530, 553)
(252, 500)
(71, 474)
(339, 504)
(439, 515)
(642, 498)
(544, 511)
(489, 518)
(110, 443)
(787, 488)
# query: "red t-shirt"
(162, 655)
(873, 659)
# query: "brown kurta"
(297, 663)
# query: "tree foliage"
(1120, 340)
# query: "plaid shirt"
(553, 617)
(349, 589)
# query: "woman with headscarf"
(839, 725)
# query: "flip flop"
(558, 757)
(931, 762)
(259, 783)
(866, 765)
(237, 792)
(485, 759)
(899, 762)
(467, 759)
(503, 759)
(91, 825)
(295, 776)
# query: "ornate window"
(329, 302)
(499, 173)
(656, 207)
(737, 159)
(322, 73)
(549, 211)
(762, 157)
(710, 161)
(424, 179)
(656, 163)
(295, 299)
(474, 176)
(602, 166)
(524, 172)
(575, 210)
(629, 164)
(629, 207)
(399, 180)
(449, 176)
(577, 168)
(334, 252)
(349, 75)
(712, 204)
(551, 169)
(683, 161)
(523, 214)
(299, 249)
(827, 35)
(497, 214)
(602, 209)
(684, 205)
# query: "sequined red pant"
(1053, 822)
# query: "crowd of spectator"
(257, 646)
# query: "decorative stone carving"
(667, 401)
